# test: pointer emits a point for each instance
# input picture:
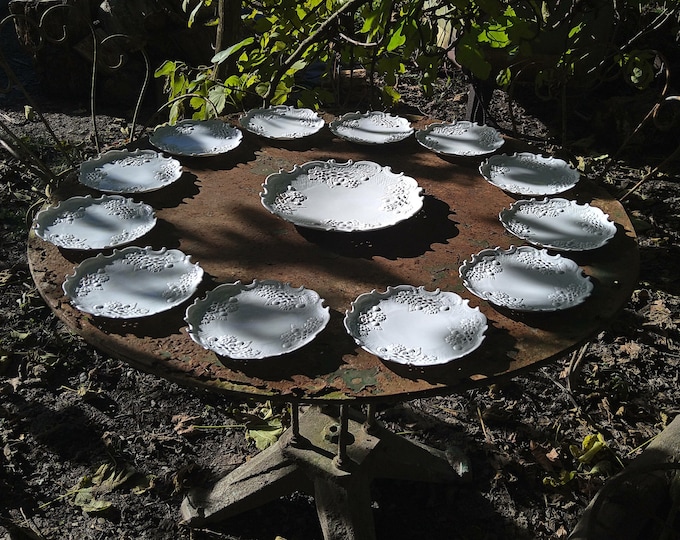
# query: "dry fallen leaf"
(184, 423)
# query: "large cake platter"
(133, 282)
(87, 223)
(125, 171)
(462, 138)
(282, 122)
(409, 325)
(196, 138)
(351, 196)
(526, 279)
(558, 224)
(374, 127)
(258, 320)
(530, 174)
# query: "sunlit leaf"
(166, 68)
(226, 53)
(397, 39)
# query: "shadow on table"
(315, 359)
(408, 239)
(479, 365)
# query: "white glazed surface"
(123, 171)
(87, 223)
(526, 279)
(282, 122)
(525, 173)
(558, 224)
(374, 127)
(133, 282)
(351, 196)
(463, 138)
(196, 138)
(409, 325)
(263, 319)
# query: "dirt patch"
(66, 410)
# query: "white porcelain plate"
(526, 279)
(87, 223)
(412, 326)
(351, 196)
(558, 224)
(196, 138)
(133, 282)
(525, 173)
(282, 122)
(466, 139)
(265, 318)
(374, 127)
(125, 171)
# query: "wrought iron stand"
(335, 458)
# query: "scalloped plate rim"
(100, 261)
(422, 133)
(155, 138)
(111, 156)
(402, 135)
(300, 169)
(575, 269)
(246, 118)
(89, 201)
(507, 213)
(375, 297)
(239, 287)
(483, 170)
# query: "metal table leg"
(335, 459)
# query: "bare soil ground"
(79, 429)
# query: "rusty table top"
(214, 214)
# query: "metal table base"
(332, 457)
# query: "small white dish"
(530, 174)
(351, 196)
(133, 282)
(461, 138)
(196, 138)
(263, 319)
(558, 224)
(526, 279)
(87, 223)
(409, 325)
(282, 122)
(374, 127)
(125, 171)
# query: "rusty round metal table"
(214, 214)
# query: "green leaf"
(397, 39)
(562, 479)
(226, 53)
(218, 97)
(504, 78)
(575, 30)
(262, 89)
(194, 12)
(391, 94)
(166, 68)
(472, 58)
(175, 112)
